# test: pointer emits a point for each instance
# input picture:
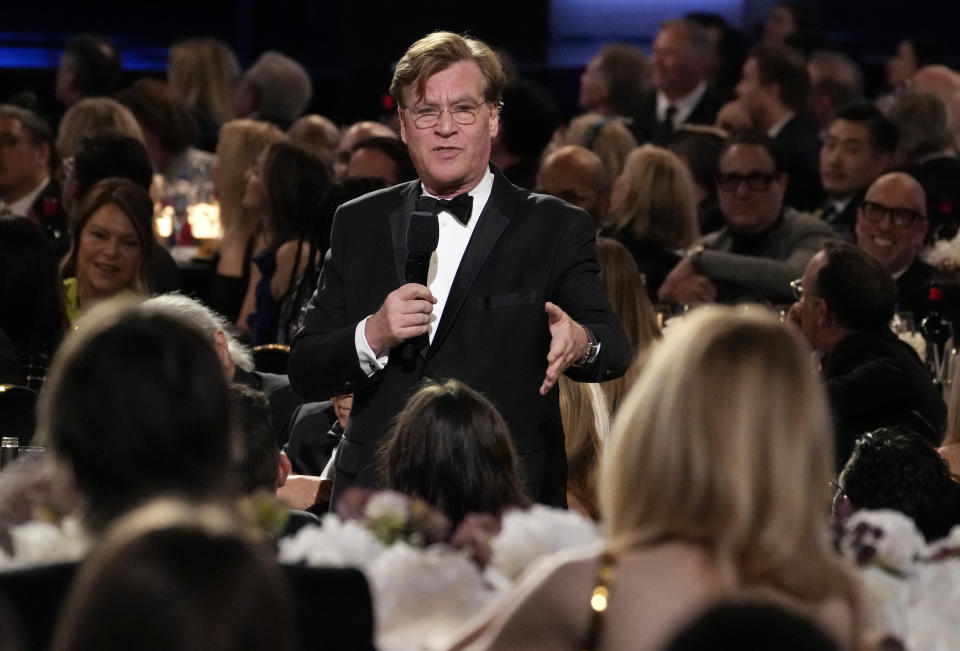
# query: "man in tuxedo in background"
(681, 58)
(513, 296)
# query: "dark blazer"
(493, 335)
(845, 221)
(47, 212)
(875, 380)
(799, 142)
(311, 440)
(645, 123)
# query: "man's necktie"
(665, 128)
(461, 206)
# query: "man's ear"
(403, 129)
(824, 315)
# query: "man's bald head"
(945, 84)
(354, 134)
(316, 131)
(892, 222)
(577, 175)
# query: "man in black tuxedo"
(774, 90)
(859, 146)
(513, 297)
(681, 58)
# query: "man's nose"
(445, 123)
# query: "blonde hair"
(204, 72)
(438, 51)
(586, 426)
(608, 138)
(90, 115)
(659, 201)
(628, 296)
(725, 441)
(241, 141)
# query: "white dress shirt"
(684, 106)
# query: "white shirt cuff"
(330, 468)
(369, 361)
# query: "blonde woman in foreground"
(714, 484)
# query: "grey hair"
(33, 124)
(697, 34)
(924, 122)
(283, 86)
(195, 314)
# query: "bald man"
(576, 175)
(891, 226)
(351, 136)
(316, 131)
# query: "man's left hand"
(684, 285)
(568, 343)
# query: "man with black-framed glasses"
(891, 226)
(763, 245)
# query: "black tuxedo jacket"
(799, 142)
(493, 335)
(645, 122)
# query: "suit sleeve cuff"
(369, 361)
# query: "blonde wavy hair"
(586, 427)
(241, 141)
(90, 115)
(658, 201)
(204, 72)
(607, 137)
(628, 296)
(725, 441)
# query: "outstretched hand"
(568, 343)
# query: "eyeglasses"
(426, 117)
(796, 286)
(756, 181)
(874, 213)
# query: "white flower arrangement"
(911, 589)
(42, 543)
(425, 587)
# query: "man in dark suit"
(682, 53)
(26, 187)
(844, 304)
(513, 297)
(859, 146)
(774, 90)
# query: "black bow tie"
(461, 206)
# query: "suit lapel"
(399, 221)
(490, 225)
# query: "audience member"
(178, 576)
(731, 499)
(698, 147)
(859, 146)
(528, 119)
(318, 132)
(682, 56)
(586, 427)
(90, 115)
(33, 315)
(763, 245)
(926, 152)
(204, 73)
(275, 89)
(943, 82)
(730, 48)
(450, 447)
(894, 468)
(653, 212)
(626, 291)
(576, 175)
(353, 134)
(734, 116)
(169, 131)
(912, 53)
(294, 305)
(792, 23)
(240, 142)
(381, 158)
(835, 80)
(615, 81)
(289, 180)
(891, 226)
(774, 90)
(137, 406)
(845, 301)
(608, 138)
(26, 186)
(90, 67)
(112, 247)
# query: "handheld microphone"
(423, 234)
